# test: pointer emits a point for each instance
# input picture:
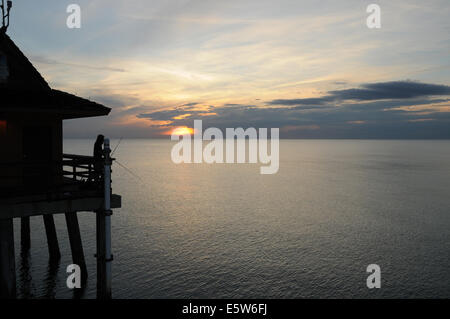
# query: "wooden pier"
(75, 196)
(37, 179)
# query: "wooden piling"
(52, 238)
(7, 260)
(104, 254)
(101, 256)
(75, 243)
(25, 233)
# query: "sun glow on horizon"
(184, 130)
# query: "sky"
(311, 68)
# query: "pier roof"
(23, 89)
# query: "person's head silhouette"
(100, 139)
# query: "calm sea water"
(225, 231)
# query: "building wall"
(13, 173)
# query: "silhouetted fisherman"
(98, 158)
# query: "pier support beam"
(75, 243)
(101, 256)
(7, 260)
(104, 254)
(25, 233)
(52, 238)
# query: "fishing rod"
(115, 149)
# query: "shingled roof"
(23, 89)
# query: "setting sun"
(182, 131)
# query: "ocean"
(226, 231)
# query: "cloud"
(309, 101)
(191, 104)
(391, 90)
(44, 60)
(373, 92)
(390, 110)
(114, 100)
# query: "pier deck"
(76, 187)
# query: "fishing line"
(129, 171)
(115, 149)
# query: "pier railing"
(78, 167)
(33, 177)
